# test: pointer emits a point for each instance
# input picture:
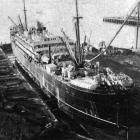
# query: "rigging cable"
(126, 19)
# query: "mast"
(137, 33)
(50, 56)
(78, 48)
(26, 27)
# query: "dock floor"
(22, 111)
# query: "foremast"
(25, 15)
(78, 51)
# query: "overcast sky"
(57, 14)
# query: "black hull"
(84, 106)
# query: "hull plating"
(77, 103)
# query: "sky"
(58, 14)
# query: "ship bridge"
(51, 41)
(56, 43)
(133, 20)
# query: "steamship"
(58, 65)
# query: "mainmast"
(137, 30)
(26, 27)
(77, 57)
(78, 48)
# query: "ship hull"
(84, 106)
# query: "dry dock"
(22, 112)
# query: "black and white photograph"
(70, 70)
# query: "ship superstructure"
(57, 65)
